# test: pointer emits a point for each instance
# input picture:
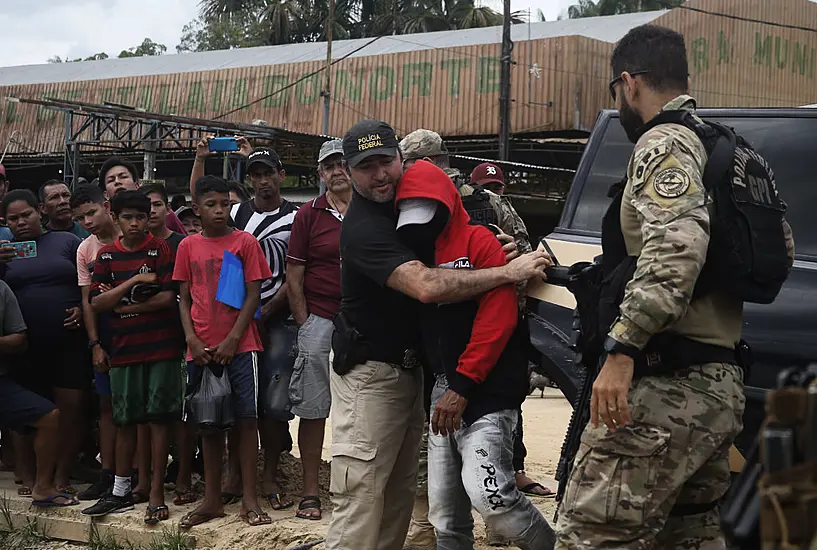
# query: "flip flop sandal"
(277, 501)
(230, 498)
(528, 490)
(51, 502)
(67, 489)
(24, 491)
(186, 497)
(197, 518)
(139, 497)
(254, 518)
(152, 514)
(309, 503)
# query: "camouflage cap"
(422, 143)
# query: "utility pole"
(327, 87)
(505, 85)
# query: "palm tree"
(591, 8)
(285, 20)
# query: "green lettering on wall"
(381, 83)
(11, 113)
(419, 75)
(454, 67)
(45, 114)
(763, 50)
(308, 90)
(799, 58)
(781, 52)
(811, 66)
(488, 75)
(218, 92)
(349, 86)
(240, 95)
(165, 101)
(700, 55)
(107, 95)
(124, 94)
(724, 51)
(195, 98)
(272, 84)
(145, 100)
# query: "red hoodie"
(462, 245)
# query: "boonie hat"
(265, 156)
(329, 148)
(184, 212)
(487, 173)
(368, 138)
(416, 211)
(422, 143)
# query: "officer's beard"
(630, 120)
(422, 238)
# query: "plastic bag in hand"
(211, 404)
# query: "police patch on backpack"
(747, 246)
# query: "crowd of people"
(392, 304)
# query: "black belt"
(668, 352)
(405, 359)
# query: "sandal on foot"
(51, 502)
(228, 498)
(185, 497)
(254, 518)
(309, 503)
(197, 518)
(153, 514)
(24, 491)
(278, 501)
(67, 489)
(529, 490)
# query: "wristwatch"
(93, 343)
(611, 345)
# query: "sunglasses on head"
(619, 79)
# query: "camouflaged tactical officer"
(654, 458)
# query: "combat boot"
(421, 533)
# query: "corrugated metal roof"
(607, 29)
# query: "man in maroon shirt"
(313, 274)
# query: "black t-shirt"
(173, 241)
(370, 250)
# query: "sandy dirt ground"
(546, 418)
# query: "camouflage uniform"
(625, 483)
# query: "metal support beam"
(150, 153)
(505, 85)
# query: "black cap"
(265, 156)
(368, 138)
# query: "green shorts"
(147, 392)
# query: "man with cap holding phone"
(313, 286)
(376, 380)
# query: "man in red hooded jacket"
(475, 350)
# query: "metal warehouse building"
(742, 53)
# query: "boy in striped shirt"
(133, 278)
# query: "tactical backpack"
(747, 248)
(479, 207)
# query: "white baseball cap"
(415, 211)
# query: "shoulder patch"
(645, 159)
(671, 182)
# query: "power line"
(288, 86)
(748, 19)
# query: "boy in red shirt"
(133, 279)
(218, 333)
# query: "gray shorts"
(309, 386)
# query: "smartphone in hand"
(24, 249)
(223, 144)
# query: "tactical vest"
(479, 207)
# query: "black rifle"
(583, 280)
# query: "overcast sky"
(32, 32)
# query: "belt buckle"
(410, 359)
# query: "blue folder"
(231, 287)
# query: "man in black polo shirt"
(377, 384)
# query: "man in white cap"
(313, 277)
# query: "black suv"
(782, 334)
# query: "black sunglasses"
(619, 79)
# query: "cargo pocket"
(614, 476)
(296, 383)
(353, 471)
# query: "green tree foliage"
(592, 8)
(243, 23)
(147, 47)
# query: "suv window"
(790, 146)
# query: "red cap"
(487, 173)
